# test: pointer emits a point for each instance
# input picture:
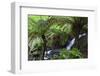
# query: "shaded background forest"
(57, 37)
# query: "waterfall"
(47, 54)
(70, 44)
(81, 35)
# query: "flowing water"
(49, 53)
(68, 47)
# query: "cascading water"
(81, 35)
(71, 43)
(68, 47)
(49, 53)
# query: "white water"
(82, 35)
(68, 47)
(70, 44)
(73, 41)
(47, 53)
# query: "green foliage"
(71, 54)
(35, 43)
(64, 54)
(75, 53)
(55, 30)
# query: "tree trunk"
(44, 47)
(78, 30)
(77, 42)
(77, 37)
